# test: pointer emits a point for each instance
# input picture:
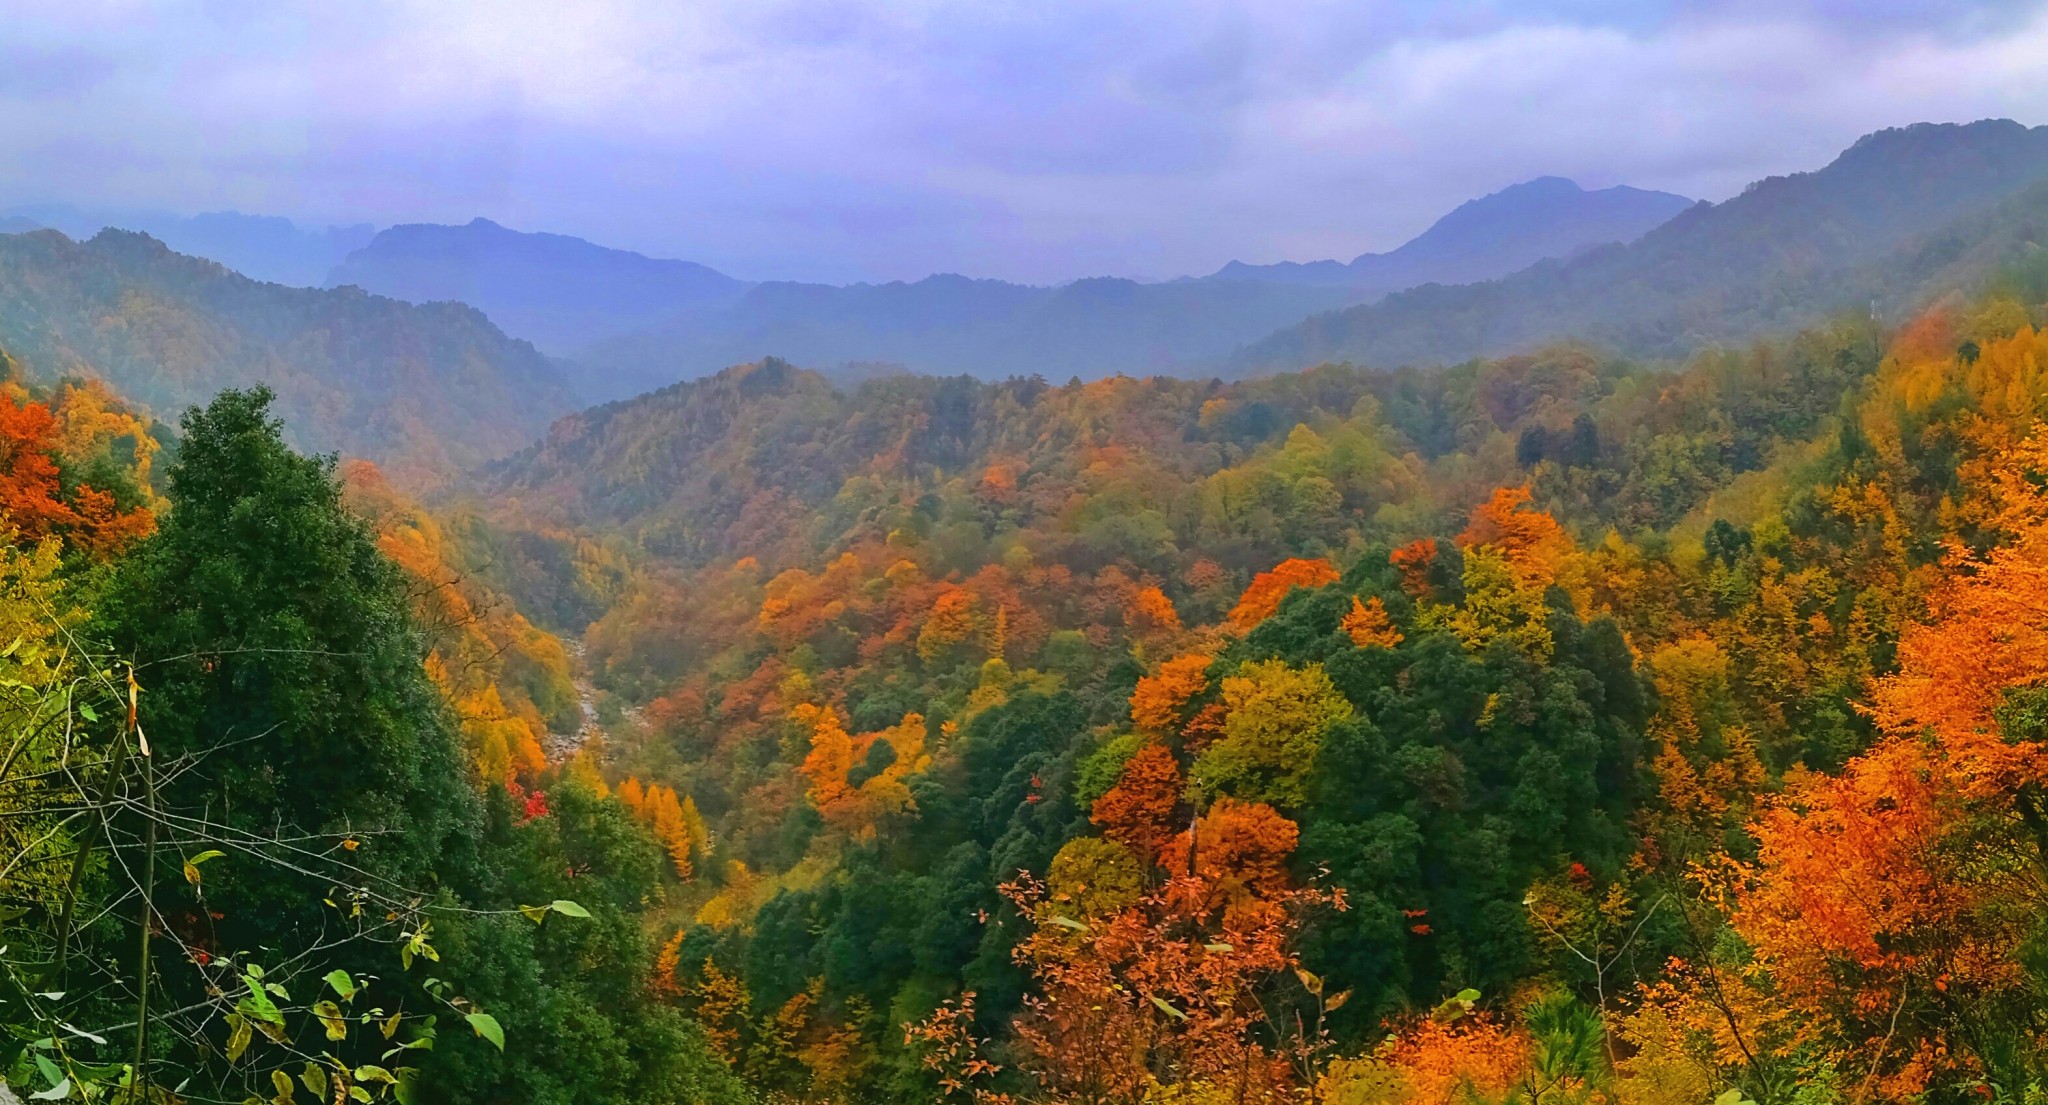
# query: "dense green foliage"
(294, 745)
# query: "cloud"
(842, 139)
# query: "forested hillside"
(1901, 216)
(428, 390)
(1554, 727)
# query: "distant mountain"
(950, 324)
(559, 292)
(1902, 215)
(945, 325)
(261, 247)
(18, 224)
(424, 390)
(1489, 237)
(628, 323)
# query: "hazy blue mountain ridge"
(1784, 254)
(1490, 236)
(557, 291)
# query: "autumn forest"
(1559, 725)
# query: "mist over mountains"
(485, 333)
(628, 323)
(558, 292)
(1900, 216)
(1488, 237)
(622, 322)
(262, 247)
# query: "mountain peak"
(1900, 216)
(1917, 137)
(557, 291)
(1536, 186)
(1488, 237)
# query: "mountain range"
(628, 323)
(560, 293)
(434, 387)
(428, 390)
(1489, 237)
(1899, 217)
(261, 247)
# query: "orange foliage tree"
(1150, 612)
(1140, 810)
(1535, 546)
(1267, 589)
(1157, 700)
(858, 781)
(32, 498)
(503, 675)
(1888, 909)
(1169, 995)
(1368, 626)
(1414, 561)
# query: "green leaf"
(1069, 923)
(535, 913)
(567, 908)
(87, 712)
(58, 1092)
(342, 983)
(258, 1006)
(283, 1082)
(371, 1073)
(486, 1026)
(1469, 996)
(49, 1070)
(1161, 1003)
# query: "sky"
(1037, 140)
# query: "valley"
(1592, 652)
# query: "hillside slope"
(556, 291)
(261, 247)
(950, 324)
(1787, 252)
(1490, 236)
(629, 323)
(423, 390)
